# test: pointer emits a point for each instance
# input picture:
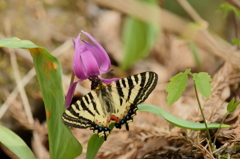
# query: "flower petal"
(99, 53)
(78, 66)
(70, 93)
(78, 47)
(107, 81)
(90, 63)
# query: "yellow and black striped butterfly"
(110, 103)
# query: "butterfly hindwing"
(115, 102)
(129, 92)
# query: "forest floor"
(52, 24)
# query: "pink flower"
(89, 62)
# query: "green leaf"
(187, 71)
(177, 121)
(232, 106)
(14, 143)
(138, 38)
(15, 42)
(236, 11)
(62, 143)
(202, 80)
(236, 41)
(175, 87)
(227, 8)
(94, 145)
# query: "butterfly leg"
(127, 127)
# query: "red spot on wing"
(114, 118)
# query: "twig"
(221, 148)
(143, 11)
(235, 3)
(172, 23)
(20, 87)
(27, 78)
(199, 146)
(62, 48)
(192, 13)
(38, 130)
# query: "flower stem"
(204, 119)
(72, 78)
(215, 138)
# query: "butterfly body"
(110, 103)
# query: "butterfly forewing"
(83, 112)
(116, 102)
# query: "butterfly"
(115, 102)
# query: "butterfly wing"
(129, 92)
(121, 97)
(86, 113)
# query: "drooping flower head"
(89, 61)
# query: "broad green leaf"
(94, 144)
(62, 143)
(202, 81)
(175, 87)
(138, 38)
(177, 121)
(14, 143)
(15, 42)
(232, 106)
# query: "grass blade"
(14, 143)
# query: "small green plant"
(227, 8)
(202, 80)
(230, 108)
(178, 83)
